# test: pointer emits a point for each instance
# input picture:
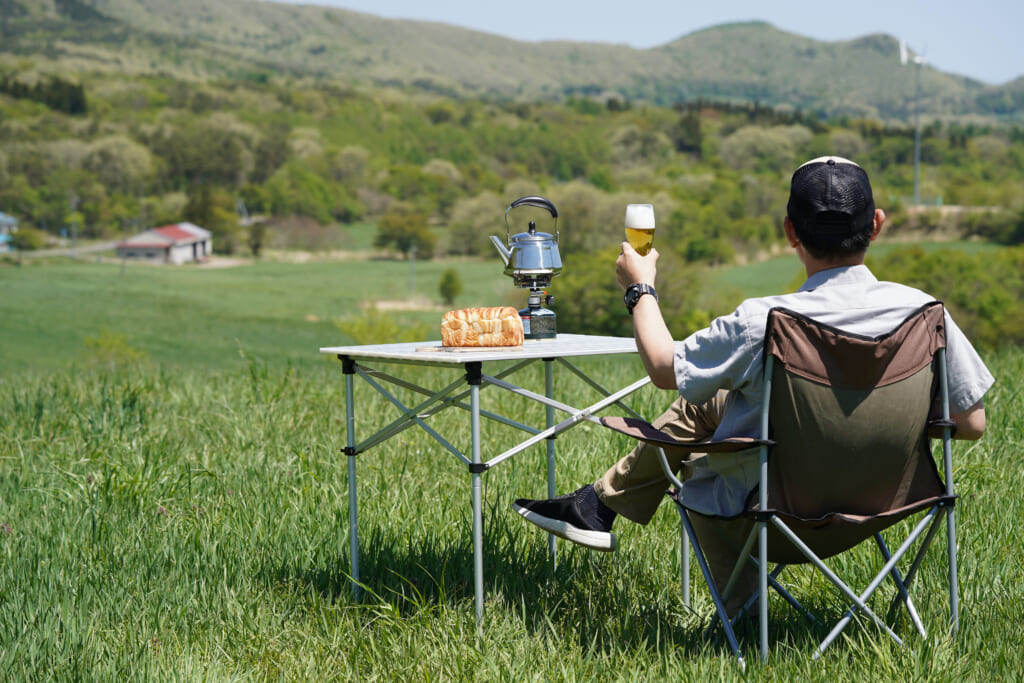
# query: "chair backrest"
(849, 415)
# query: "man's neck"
(813, 265)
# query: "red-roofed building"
(176, 244)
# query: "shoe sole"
(595, 540)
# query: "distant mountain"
(247, 38)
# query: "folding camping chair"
(844, 454)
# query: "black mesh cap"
(830, 198)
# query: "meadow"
(173, 506)
(211, 318)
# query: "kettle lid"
(532, 235)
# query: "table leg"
(353, 507)
(549, 391)
(474, 377)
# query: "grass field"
(208, 317)
(181, 514)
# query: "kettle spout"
(502, 250)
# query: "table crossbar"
(575, 418)
(409, 418)
(588, 380)
(437, 402)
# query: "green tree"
(596, 299)
(472, 221)
(404, 231)
(214, 209)
(760, 148)
(257, 237)
(28, 239)
(687, 134)
(349, 165)
(983, 291)
(272, 151)
(119, 163)
(450, 286)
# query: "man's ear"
(790, 229)
(878, 221)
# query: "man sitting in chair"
(831, 219)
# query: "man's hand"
(631, 268)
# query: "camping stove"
(531, 259)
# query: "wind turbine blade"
(903, 52)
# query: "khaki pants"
(635, 486)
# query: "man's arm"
(970, 424)
(653, 340)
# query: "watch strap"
(635, 291)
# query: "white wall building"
(175, 244)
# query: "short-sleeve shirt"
(729, 355)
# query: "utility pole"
(917, 131)
(919, 61)
(412, 272)
(74, 225)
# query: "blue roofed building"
(8, 224)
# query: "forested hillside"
(747, 62)
(141, 151)
(110, 148)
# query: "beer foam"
(640, 216)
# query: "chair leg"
(901, 589)
(919, 557)
(954, 588)
(684, 564)
(858, 601)
(738, 569)
(702, 562)
(781, 590)
(763, 587)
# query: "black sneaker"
(578, 517)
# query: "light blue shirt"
(729, 354)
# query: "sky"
(977, 38)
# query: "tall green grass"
(182, 524)
(174, 506)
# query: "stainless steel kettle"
(532, 257)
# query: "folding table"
(355, 360)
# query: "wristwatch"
(633, 294)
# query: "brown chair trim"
(797, 340)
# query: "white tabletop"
(562, 346)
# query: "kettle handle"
(532, 200)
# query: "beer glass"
(640, 227)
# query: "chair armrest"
(645, 431)
(936, 427)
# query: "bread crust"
(483, 326)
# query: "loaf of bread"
(487, 326)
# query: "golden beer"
(641, 240)
(640, 227)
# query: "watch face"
(631, 297)
(633, 294)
